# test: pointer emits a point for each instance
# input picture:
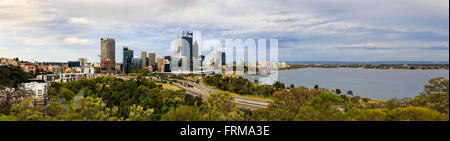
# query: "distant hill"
(375, 62)
(12, 76)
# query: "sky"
(313, 30)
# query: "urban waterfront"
(372, 83)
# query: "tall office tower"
(83, 62)
(108, 55)
(187, 48)
(167, 60)
(136, 62)
(127, 59)
(176, 63)
(178, 46)
(160, 62)
(152, 58)
(223, 58)
(195, 50)
(216, 59)
(143, 59)
(202, 59)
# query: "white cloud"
(75, 40)
(80, 20)
(40, 41)
(151, 25)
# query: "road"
(77, 98)
(61, 101)
(203, 91)
(200, 90)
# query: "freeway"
(199, 90)
(203, 91)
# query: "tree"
(326, 100)
(95, 109)
(221, 107)
(438, 84)
(13, 97)
(350, 92)
(67, 94)
(434, 96)
(292, 86)
(55, 109)
(193, 100)
(25, 110)
(278, 85)
(182, 113)
(13, 76)
(52, 91)
(373, 115)
(286, 104)
(338, 91)
(137, 113)
(416, 114)
(308, 113)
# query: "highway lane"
(240, 101)
(199, 90)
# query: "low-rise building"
(65, 77)
(55, 69)
(8, 61)
(28, 67)
(40, 91)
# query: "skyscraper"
(187, 48)
(195, 50)
(167, 60)
(223, 58)
(217, 60)
(160, 63)
(152, 58)
(127, 55)
(136, 63)
(143, 59)
(83, 61)
(108, 55)
(127, 59)
(178, 46)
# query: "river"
(372, 83)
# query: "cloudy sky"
(315, 30)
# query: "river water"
(371, 83)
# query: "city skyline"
(307, 31)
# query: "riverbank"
(381, 84)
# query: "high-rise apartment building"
(223, 59)
(195, 50)
(167, 60)
(127, 55)
(108, 55)
(187, 47)
(127, 59)
(143, 59)
(136, 62)
(83, 62)
(178, 46)
(160, 63)
(152, 58)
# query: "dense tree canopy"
(12, 76)
(242, 86)
(108, 98)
